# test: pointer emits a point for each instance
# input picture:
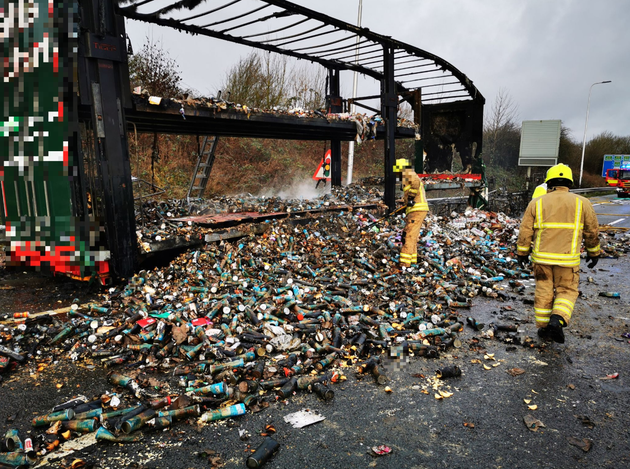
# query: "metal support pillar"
(389, 106)
(103, 53)
(417, 119)
(335, 106)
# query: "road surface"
(612, 210)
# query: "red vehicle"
(620, 178)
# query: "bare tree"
(501, 131)
(242, 80)
(265, 80)
(155, 71)
(307, 87)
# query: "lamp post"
(354, 95)
(588, 103)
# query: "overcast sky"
(544, 54)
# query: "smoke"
(302, 189)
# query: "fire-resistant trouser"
(556, 292)
(409, 251)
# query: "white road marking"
(617, 221)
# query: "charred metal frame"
(402, 70)
(104, 89)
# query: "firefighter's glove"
(591, 262)
(523, 261)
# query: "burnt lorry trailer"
(72, 210)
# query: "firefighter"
(417, 208)
(553, 227)
(541, 189)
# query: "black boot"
(543, 333)
(554, 329)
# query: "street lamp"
(354, 95)
(588, 103)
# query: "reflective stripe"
(542, 310)
(561, 225)
(538, 214)
(555, 255)
(419, 207)
(405, 256)
(537, 225)
(565, 301)
(406, 188)
(522, 248)
(562, 304)
(553, 258)
(576, 227)
(542, 319)
(596, 248)
(564, 309)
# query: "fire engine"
(620, 178)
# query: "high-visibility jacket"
(413, 189)
(553, 227)
(540, 190)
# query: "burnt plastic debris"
(323, 391)
(229, 328)
(263, 453)
(16, 458)
(610, 294)
(472, 322)
(12, 441)
(449, 372)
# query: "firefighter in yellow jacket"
(415, 199)
(552, 228)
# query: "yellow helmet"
(401, 163)
(559, 171)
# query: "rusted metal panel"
(222, 219)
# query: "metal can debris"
(263, 453)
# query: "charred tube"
(263, 453)
(104, 434)
(322, 391)
(190, 411)
(119, 412)
(18, 459)
(43, 420)
(218, 388)
(90, 414)
(159, 403)
(287, 389)
(83, 426)
(12, 440)
(224, 413)
(159, 423)
(134, 423)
